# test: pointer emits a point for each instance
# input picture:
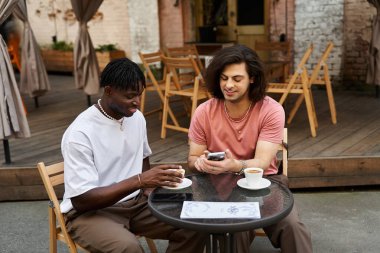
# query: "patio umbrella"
(86, 69)
(33, 79)
(13, 121)
(373, 73)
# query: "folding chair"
(302, 87)
(316, 79)
(52, 176)
(153, 62)
(185, 51)
(275, 51)
(283, 147)
(195, 91)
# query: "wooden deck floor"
(356, 135)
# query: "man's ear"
(107, 90)
(252, 79)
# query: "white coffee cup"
(253, 176)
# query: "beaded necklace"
(111, 118)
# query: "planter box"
(63, 61)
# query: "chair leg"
(151, 245)
(310, 112)
(295, 108)
(142, 104)
(52, 232)
(164, 116)
(330, 96)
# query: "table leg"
(229, 243)
(221, 243)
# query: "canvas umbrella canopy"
(33, 78)
(13, 121)
(86, 69)
(373, 73)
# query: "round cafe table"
(275, 203)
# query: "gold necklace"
(238, 120)
(111, 118)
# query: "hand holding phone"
(216, 156)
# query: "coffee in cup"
(253, 176)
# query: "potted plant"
(59, 56)
(106, 53)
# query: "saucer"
(264, 183)
(185, 183)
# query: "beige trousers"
(289, 234)
(113, 229)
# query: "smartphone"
(171, 197)
(216, 156)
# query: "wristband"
(138, 176)
(243, 167)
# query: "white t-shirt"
(98, 153)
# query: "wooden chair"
(185, 51)
(294, 87)
(273, 51)
(151, 62)
(283, 147)
(316, 79)
(196, 91)
(53, 176)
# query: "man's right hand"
(162, 175)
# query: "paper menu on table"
(219, 210)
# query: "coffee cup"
(253, 176)
(180, 170)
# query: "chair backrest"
(284, 149)
(321, 63)
(301, 70)
(178, 65)
(150, 61)
(53, 176)
(187, 51)
(274, 47)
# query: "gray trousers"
(289, 234)
(113, 229)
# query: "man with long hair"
(248, 125)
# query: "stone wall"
(171, 23)
(132, 25)
(317, 22)
(358, 15)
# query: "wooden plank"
(19, 177)
(334, 167)
(342, 180)
(27, 192)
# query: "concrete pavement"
(340, 221)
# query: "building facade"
(147, 25)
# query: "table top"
(275, 203)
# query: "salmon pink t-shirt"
(211, 126)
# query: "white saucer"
(185, 183)
(264, 183)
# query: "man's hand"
(229, 164)
(162, 175)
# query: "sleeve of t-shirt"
(146, 148)
(273, 125)
(196, 131)
(81, 174)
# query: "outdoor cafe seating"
(292, 86)
(190, 93)
(315, 78)
(53, 177)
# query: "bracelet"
(138, 176)
(243, 167)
